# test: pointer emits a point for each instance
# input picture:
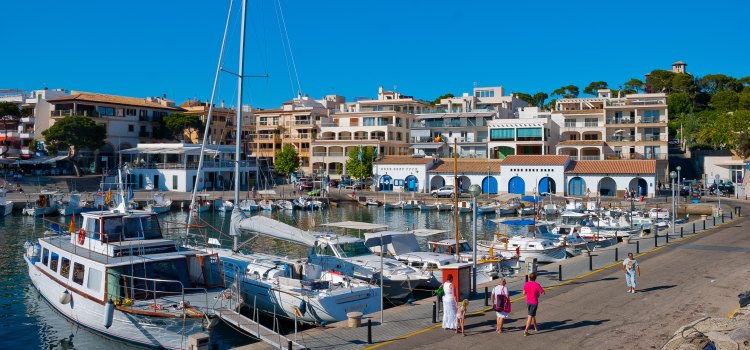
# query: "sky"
(421, 48)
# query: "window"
(131, 128)
(369, 121)
(65, 268)
(651, 116)
(174, 182)
(735, 173)
(95, 280)
(570, 123)
(502, 134)
(106, 111)
(130, 112)
(54, 258)
(78, 272)
(592, 122)
(484, 93)
(45, 256)
(529, 134)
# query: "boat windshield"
(352, 249)
(464, 247)
(149, 280)
(131, 227)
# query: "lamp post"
(678, 168)
(673, 176)
(474, 191)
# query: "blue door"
(516, 185)
(577, 187)
(489, 185)
(411, 183)
(386, 183)
(642, 187)
(547, 185)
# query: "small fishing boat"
(223, 206)
(658, 213)
(45, 204)
(410, 205)
(301, 203)
(464, 207)
(444, 207)
(248, 205)
(283, 204)
(520, 240)
(394, 205)
(6, 206)
(159, 204)
(550, 209)
(427, 207)
(525, 210)
(487, 208)
(508, 208)
(202, 203)
(266, 205)
(372, 203)
(72, 206)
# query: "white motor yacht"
(248, 205)
(520, 240)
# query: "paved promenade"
(682, 280)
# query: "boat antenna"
(238, 136)
(208, 121)
(456, 192)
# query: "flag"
(360, 153)
(72, 227)
(108, 197)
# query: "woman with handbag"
(501, 303)
(449, 304)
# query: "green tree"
(679, 103)
(183, 127)
(569, 91)
(360, 166)
(287, 160)
(539, 99)
(745, 98)
(525, 97)
(659, 81)
(436, 101)
(632, 86)
(73, 134)
(683, 83)
(714, 83)
(725, 101)
(743, 144)
(594, 86)
(9, 115)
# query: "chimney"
(222, 103)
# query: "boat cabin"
(448, 246)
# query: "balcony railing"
(621, 139)
(266, 136)
(581, 125)
(69, 112)
(620, 121)
(447, 124)
(652, 120)
(180, 166)
(26, 135)
(657, 156)
(27, 120)
(651, 137)
(585, 157)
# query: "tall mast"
(238, 135)
(456, 191)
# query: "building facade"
(532, 133)
(17, 134)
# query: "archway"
(547, 185)
(437, 182)
(411, 184)
(463, 184)
(607, 187)
(489, 185)
(640, 185)
(577, 187)
(516, 185)
(386, 183)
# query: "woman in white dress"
(449, 304)
(499, 289)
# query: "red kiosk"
(461, 278)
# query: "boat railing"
(147, 289)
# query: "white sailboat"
(249, 205)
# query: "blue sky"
(425, 48)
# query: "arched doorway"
(577, 187)
(411, 184)
(437, 182)
(386, 183)
(463, 184)
(489, 185)
(607, 187)
(516, 185)
(547, 185)
(639, 185)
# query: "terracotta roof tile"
(536, 160)
(468, 165)
(111, 99)
(612, 167)
(405, 160)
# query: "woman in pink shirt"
(532, 290)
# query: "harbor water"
(29, 323)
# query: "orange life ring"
(81, 236)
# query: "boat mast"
(238, 136)
(456, 192)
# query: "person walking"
(631, 268)
(449, 304)
(532, 290)
(499, 294)
(461, 316)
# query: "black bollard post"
(527, 278)
(656, 238)
(693, 228)
(722, 217)
(559, 272)
(667, 235)
(486, 297)
(681, 235)
(289, 344)
(637, 247)
(434, 312)
(369, 332)
(617, 252)
(591, 262)
(714, 221)
(704, 225)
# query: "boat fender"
(302, 307)
(81, 236)
(109, 313)
(65, 297)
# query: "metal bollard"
(527, 278)
(667, 235)
(559, 272)
(704, 225)
(693, 228)
(722, 217)
(617, 252)
(637, 247)
(434, 312)
(656, 239)
(289, 344)
(369, 332)
(681, 235)
(714, 221)
(591, 262)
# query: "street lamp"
(474, 191)
(678, 168)
(673, 176)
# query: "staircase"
(677, 157)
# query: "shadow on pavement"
(651, 289)
(563, 325)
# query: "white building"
(35, 110)
(403, 173)
(174, 166)
(532, 133)
(484, 172)
(525, 174)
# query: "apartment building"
(533, 132)
(17, 135)
(383, 123)
(129, 121)
(222, 130)
(296, 122)
(462, 121)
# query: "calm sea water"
(27, 322)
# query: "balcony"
(653, 137)
(640, 156)
(621, 139)
(69, 112)
(143, 118)
(294, 123)
(447, 124)
(620, 121)
(9, 134)
(145, 134)
(266, 138)
(651, 121)
(26, 135)
(27, 120)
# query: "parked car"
(333, 183)
(723, 188)
(446, 191)
(305, 183)
(674, 141)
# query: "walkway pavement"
(584, 300)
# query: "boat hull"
(6, 209)
(69, 211)
(44, 211)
